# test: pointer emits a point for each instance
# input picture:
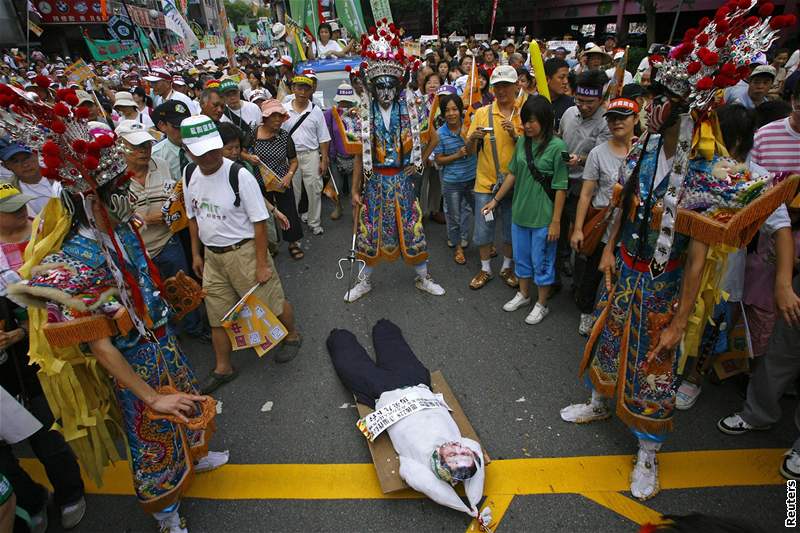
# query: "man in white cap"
(26, 175)
(126, 106)
(285, 74)
(232, 228)
(754, 91)
(498, 131)
(162, 87)
(612, 72)
(151, 184)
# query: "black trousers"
(285, 202)
(56, 456)
(587, 279)
(395, 366)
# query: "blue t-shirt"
(460, 170)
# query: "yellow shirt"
(486, 176)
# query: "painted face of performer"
(118, 200)
(663, 112)
(386, 90)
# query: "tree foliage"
(240, 12)
(460, 16)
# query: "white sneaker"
(516, 302)
(429, 286)
(687, 395)
(359, 289)
(537, 314)
(304, 218)
(211, 461)
(735, 425)
(790, 467)
(644, 478)
(317, 230)
(173, 523)
(585, 327)
(583, 413)
(72, 514)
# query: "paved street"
(511, 380)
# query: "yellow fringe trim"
(79, 392)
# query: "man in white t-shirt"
(434, 456)
(244, 115)
(232, 229)
(27, 175)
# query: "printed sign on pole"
(251, 324)
(121, 28)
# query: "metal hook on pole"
(353, 260)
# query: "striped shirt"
(150, 198)
(776, 147)
(460, 170)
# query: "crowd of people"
(573, 165)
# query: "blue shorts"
(484, 231)
(534, 255)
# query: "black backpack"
(233, 179)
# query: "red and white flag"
(494, 15)
(435, 17)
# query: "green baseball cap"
(200, 135)
(227, 85)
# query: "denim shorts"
(534, 255)
(484, 231)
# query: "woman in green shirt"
(539, 177)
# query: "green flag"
(312, 17)
(297, 10)
(351, 17)
(103, 50)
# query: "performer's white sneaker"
(583, 413)
(359, 289)
(172, 523)
(211, 461)
(516, 302)
(644, 478)
(585, 327)
(428, 285)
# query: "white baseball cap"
(158, 74)
(619, 55)
(503, 74)
(278, 30)
(134, 132)
(200, 135)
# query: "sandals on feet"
(295, 251)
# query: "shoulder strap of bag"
(189, 170)
(493, 142)
(301, 119)
(233, 179)
(540, 178)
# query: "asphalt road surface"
(511, 380)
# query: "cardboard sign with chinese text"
(251, 324)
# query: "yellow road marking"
(679, 470)
(627, 507)
(499, 504)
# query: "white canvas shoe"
(687, 395)
(583, 413)
(516, 302)
(644, 478)
(790, 467)
(428, 285)
(537, 314)
(172, 523)
(211, 461)
(359, 289)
